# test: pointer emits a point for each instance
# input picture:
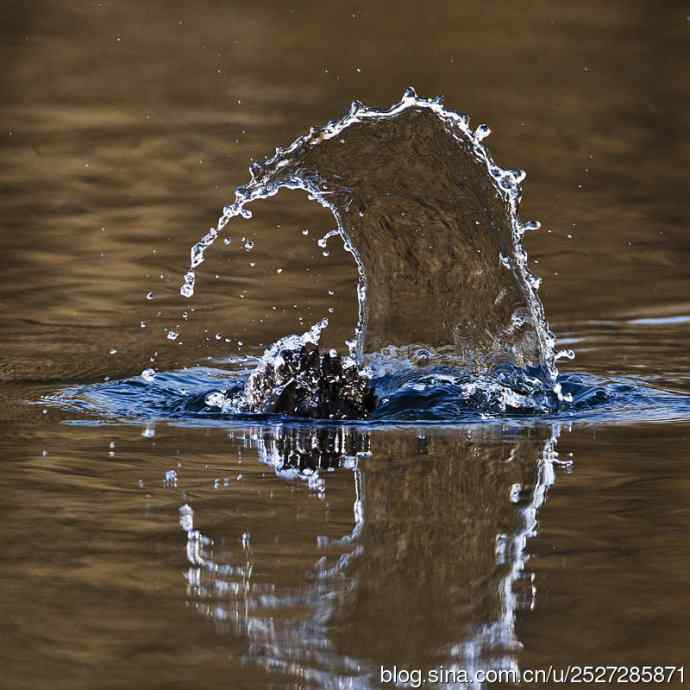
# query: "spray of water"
(433, 226)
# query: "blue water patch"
(419, 397)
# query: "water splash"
(450, 327)
(432, 223)
(208, 397)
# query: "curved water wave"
(432, 223)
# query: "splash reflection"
(432, 572)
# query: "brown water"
(124, 127)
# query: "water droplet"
(187, 289)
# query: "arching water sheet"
(432, 223)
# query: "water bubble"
(173, 334)
(248, 245)
(113, 351)
(149, 295)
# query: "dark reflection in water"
(432, 571)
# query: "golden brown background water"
(124, 127)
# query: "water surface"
(491, 543)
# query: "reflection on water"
(432, 569)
